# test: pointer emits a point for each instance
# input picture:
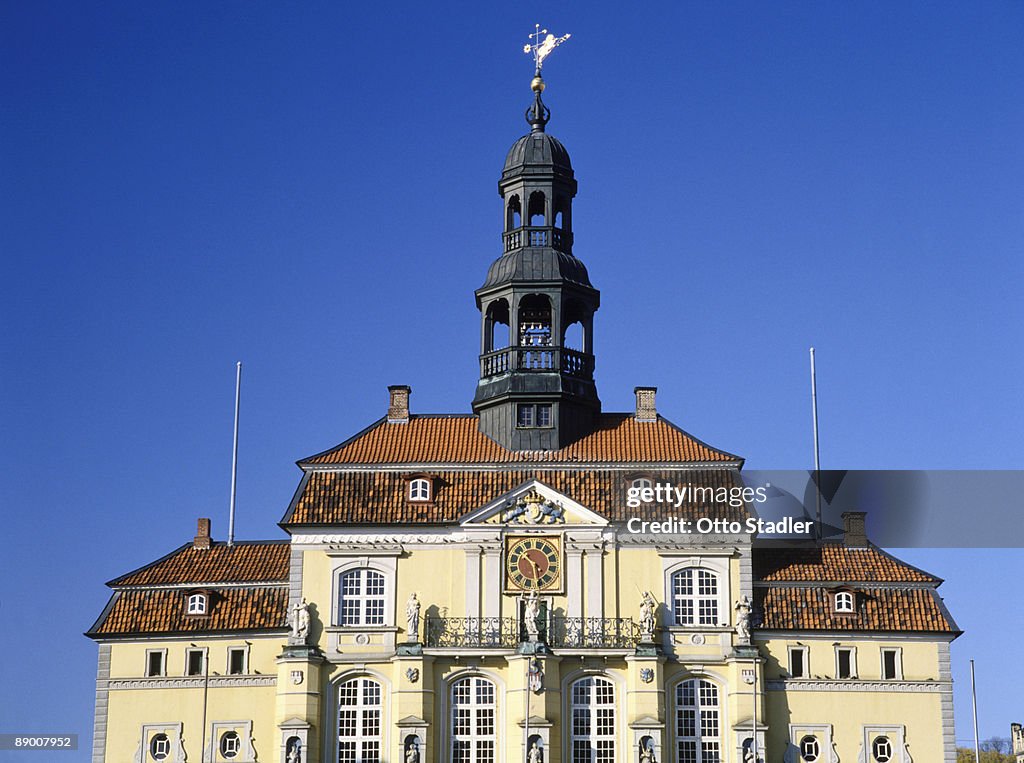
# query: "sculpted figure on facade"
(535, 755)
(300, 621)
(743, 613)
(648, 608)
(531, 611)
(412, 617)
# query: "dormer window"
(844, 602)
(419, 489)
(639, 483)
(197, 604)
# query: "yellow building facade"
(480, 588)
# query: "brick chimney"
(646, 410)
(854, 533)
(398, 404)
(202, 539)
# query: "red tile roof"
(379, 498)
(244, 562)
(835, 563)
(806, 608)
(148, 611)
(617, 438)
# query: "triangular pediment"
(534, 504)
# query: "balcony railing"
(571, 362)
(507, 632)
(534, 237)
(594, 633)
(491, 632)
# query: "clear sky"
(311, 188)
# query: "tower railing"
(508, 632)
(537, 358)
(538, 236)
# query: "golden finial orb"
(537, 85)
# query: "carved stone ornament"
(297, 677)
(532, 508)
(646, 675)
(413, 674)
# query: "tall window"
(473, 721)
(697, 727)
(359, 721)
(695, 597)
(593, 721)
(361, 598)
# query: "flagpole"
(234, 455)
(974, 703)
(817, 455)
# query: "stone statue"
(412, 617)
(743, 619)
(648, 606)
(294, 752)
(300, 621)
(412, 755)
(531, 611)
(647, 753)
(535, 755)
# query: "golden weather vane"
(541, 47)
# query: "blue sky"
(312, 189)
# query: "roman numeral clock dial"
(533, 564)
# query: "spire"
(538, 114)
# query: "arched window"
(844, 601)
(809, 749)
(536, 212)
(419, 489)
(473, 720)
(197, 604)
(695, 597)
(639, 483)
(514, 215)
(361, 598)
(592, 736)
(359, 721)
(697, 722)
(881, 749)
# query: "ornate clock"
(533, 563)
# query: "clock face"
(533, 564)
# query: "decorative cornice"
(189, 682)
(897, 687)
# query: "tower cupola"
(536, 389)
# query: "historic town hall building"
(464, 587)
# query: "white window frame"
(820, 731)
(218, 729)
(845, 602)
(475, 710)
(197, 604)
(898, 663)
(362, 619)
(420, 490)
(696, 599)
(803, 650)
(364, 711)
(172, 731)
(602, 746)
(897, 742)
(639, 483)
(163, 663)
(853, 661)
(188, 652)
(702, 707)
(245, 660)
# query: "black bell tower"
(536, 389)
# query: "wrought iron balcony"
(537, 358)
(533, 237)
(593, 633)
(507, 632)
(490, 632)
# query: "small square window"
(419, 489)
(155, 662)
(531, 415)
(194, 662)
(197, 604)
(236, 661)
(844, 601)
